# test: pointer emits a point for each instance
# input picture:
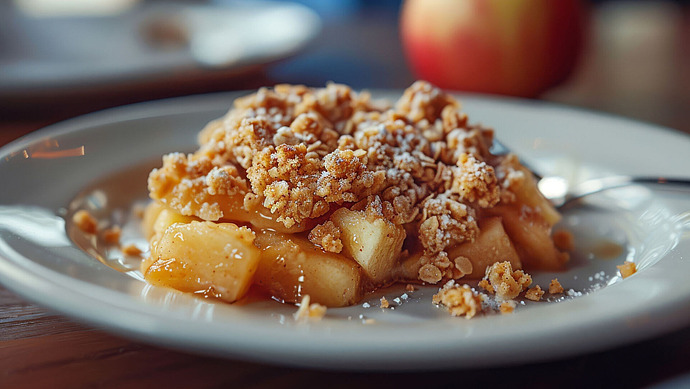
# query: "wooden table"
(644, 76)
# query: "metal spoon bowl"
(561, 193)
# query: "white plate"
(45, 177)
(148, 43)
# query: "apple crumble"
(329, 193)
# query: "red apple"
(512, 47)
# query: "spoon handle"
(597, 185)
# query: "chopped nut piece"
(460, 300)
(506, 283)
(627, 269)
(534, 293)
(507, 307)
(410, 288)
(555, 287)
(384, 303)
(85, 221)
(131, 249)
(308, 311)
(112, 235)
(564, 240)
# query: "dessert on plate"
(328, 193)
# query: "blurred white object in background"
(62, 8)
(158, 41)
(225, 36)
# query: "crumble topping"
(384, 303)
(535, 293)
(307, 311)
(627, 269)
(511, 174)
(302, 153)
(85, 221)
(475, 182)
(500, 279)
(555, 287)
(327, 236)
(460, 300)
(507, 307)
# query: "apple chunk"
(528, 194)
(491, 246)
(532, 237)
(292, 267)
(374, 243)
(217, 259)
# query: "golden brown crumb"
(384, 303)
(555, 287)
(85, 221)
(112, 235)
(410, 288)
(534, 293)
(506, 283)
(627, 269)
(309, 311)
(475, 182)
(486, 285)
(507, 307)
(131, 249)
(327, 236)
(463, 266)
(460, 300)
(564, 240)
(430, 273)
(511, 174)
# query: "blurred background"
(63, 58)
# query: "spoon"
(561, 193)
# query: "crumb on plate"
(507, 307)
(555, 287)
(535, 293)
(384, 303)
(85, 221)
(627, 269)
(504, 282)
(460, 300)
(309, 311)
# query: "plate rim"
(193, 104)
